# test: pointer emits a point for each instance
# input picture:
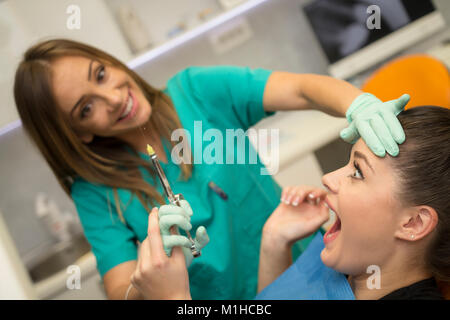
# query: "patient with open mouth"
(392, 213)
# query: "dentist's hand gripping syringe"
(177, 200)
(175, 215)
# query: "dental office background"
(43, 253)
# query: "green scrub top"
(220, 97)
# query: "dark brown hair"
(423, 167)
(103, 160)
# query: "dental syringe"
(173, 198)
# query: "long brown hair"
(104, 159)
(423, 169)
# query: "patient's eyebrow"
(360, 155)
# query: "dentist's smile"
(130, 108)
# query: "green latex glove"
(376, 122)
(201, 240)
(172, 215)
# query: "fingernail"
(289, 199)
(394, 151)
(380, 152)
(296, 201)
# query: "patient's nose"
(332, 180)
(114, 98)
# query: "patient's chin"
(328, 258)
(332, 258)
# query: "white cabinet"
(304, 171)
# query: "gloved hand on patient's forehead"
(172, 215)
(376, 123)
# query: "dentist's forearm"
(286, 91)
(327, 94)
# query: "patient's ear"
(417, 223)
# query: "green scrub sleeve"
(111, 240)
(235, 93)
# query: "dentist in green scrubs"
(226, 204)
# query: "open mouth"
(335, 229)
(130, 108)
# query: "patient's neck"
(392, 277)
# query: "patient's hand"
(298, 216)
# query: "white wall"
(444, 7)
(13, 40)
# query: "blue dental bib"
(309, 279)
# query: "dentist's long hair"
(101, 161)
